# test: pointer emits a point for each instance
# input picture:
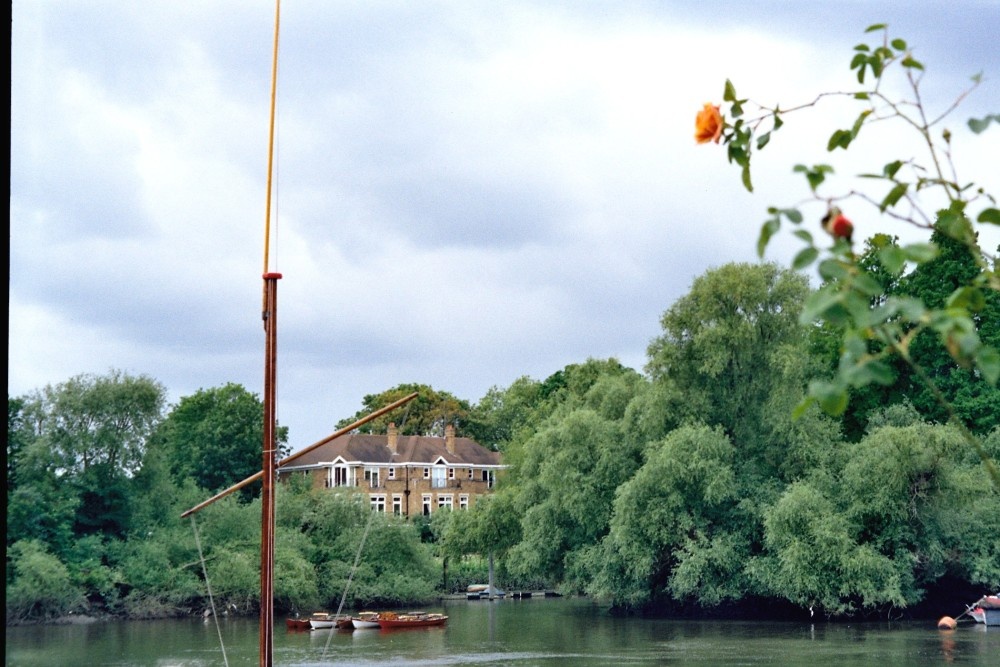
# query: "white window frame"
(438, 477)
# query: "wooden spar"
(270, 316)
(288, 459)
(267, 471)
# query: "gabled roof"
(414, 449)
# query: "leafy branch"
(876, 326)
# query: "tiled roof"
(411, 449)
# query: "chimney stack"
(393, 438)
(449, 438)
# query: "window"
(489, 476)
(378, 502)
(437, 477)
(392, 473)
(397, 504)
(463, 501)
(427, 473)
(451, 473)
(371, 476)
(472, 473)
(426, 504)
(445, 501)
(338, 476)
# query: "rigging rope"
(350, 576)
(208, 585)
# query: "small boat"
(986, 610)
(365, 620)
(321, 620)
(414, 619)
(297, 623)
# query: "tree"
(733, 348)
(502, 414)
(100, 420)
(567, 480)
(40, 587)
(78, 444)
(922, 191)
(214, 437)
(427, 414)
(671, 522)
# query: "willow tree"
(734, 349)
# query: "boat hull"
(395, 621)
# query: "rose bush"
(877, 326)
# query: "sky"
(466, 192)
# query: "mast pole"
(270, 316)
(268, 469)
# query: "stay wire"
(208, 585)
(350, 576)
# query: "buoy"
(947, 623)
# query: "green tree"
(734, 349)
(502, 414)
(214, 436)
(814, 560)
(671, 534)
(100, 420)
(922, 190)
(78, 444)
(567, 480)
(427, 414)
(40, 587)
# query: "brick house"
(407, 475)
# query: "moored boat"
(366, 620)
(414, 619)
(986, 610)
(321, 620)
(297, 623)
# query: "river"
(540, 631)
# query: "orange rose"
(708, 124)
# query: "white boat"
(986, 610)
(321, 621)
(365, 620)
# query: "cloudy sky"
(466, 191)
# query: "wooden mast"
(270, 315)
(268, 469)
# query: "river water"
(541, 631)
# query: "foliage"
(677, 498)
(214, 436)
(427, 414)
(40, 587)
(734, 350)
(568, 479)
(73, 448)
(924, 193)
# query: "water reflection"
(545, 632)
